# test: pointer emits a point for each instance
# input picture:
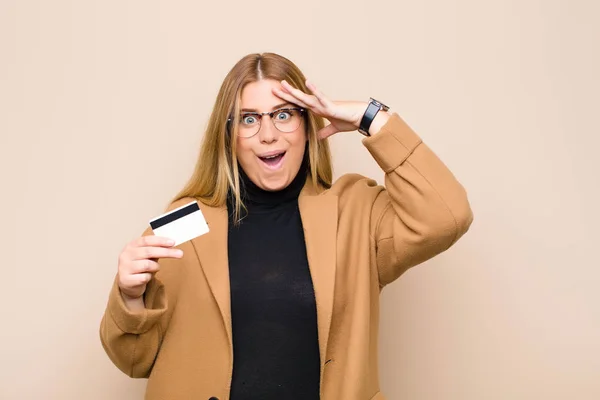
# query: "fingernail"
(179, 253)
(170, 242)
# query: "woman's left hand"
(344, 116)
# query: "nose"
(267, 132)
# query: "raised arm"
(424, 209)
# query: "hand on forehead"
(259, 96)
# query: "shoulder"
(355, 189)
(354, 184)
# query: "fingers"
(138, 262)
(309, 100)
(151, 240)
(290, 98)
(147, 247)
(135, 274)
(130, 282)
(144, 253)
(318, 94)
(317, 102)
(327, 131)
(143, 266)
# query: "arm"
(424, 209)
(131, 331)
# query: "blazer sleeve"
(132, 340)
(424, 209)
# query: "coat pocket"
(378, 396)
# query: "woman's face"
(270, 158)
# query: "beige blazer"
(360, 236)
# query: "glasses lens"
(249, 125)
(287, 120)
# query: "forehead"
(259, 95)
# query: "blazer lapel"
(211, 250)
(319, 220)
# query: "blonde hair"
(216, 171)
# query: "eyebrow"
(282, 105)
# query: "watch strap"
(372, 109)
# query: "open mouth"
(273, 161)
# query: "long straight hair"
(216, 172)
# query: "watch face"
(379, 104)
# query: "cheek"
(298, 139)
(243, 152)
(243, 146)
(297, 147)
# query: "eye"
(283, 115)
(249, 119)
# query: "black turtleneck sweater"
(273, 308)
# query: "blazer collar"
(318, 211)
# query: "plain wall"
(103, 105)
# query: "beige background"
(103, 104)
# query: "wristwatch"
(372, 110)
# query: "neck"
(256, 198)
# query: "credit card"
(181, 224)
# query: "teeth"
(269, 157)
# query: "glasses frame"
(270, 114)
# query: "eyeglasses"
(286, 120)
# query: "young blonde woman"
(280, 300)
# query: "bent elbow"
(463, 217)
(446, 231)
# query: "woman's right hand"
(138, 262)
